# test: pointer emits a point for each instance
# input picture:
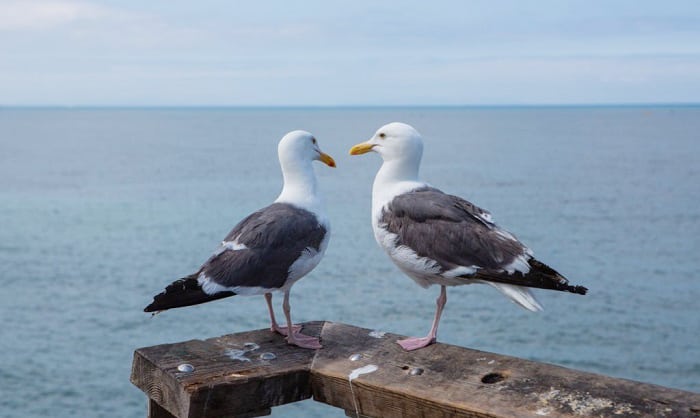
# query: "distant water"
(100, 209)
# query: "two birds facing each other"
(433, 237)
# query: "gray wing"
(450, 230)
(260, 249)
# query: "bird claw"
(283, 330)
(304, 341)
(410, 344)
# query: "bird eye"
(382, 135)
(313, 141)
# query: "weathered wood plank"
(229, 378)
(459, 382)
(439, 381)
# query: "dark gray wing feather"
(449, 230)
(183, 292)
(455, 232)
(275, 238)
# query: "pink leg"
(410, 344)
(274, 327)
(296, 337)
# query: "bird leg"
(296, 337)
(415, 343)
(274, 327)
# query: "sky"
(333, 53)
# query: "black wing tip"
(183, 292)
(564, 286)
(562, 283)
(157, 306)
(150, 308)
(581, 290)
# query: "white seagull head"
(296, 151)
(401, 148)
(394, 141)
(300, 147)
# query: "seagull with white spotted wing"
(436, 238)
(270, 249)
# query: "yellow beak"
(327, 159)
(361, 148)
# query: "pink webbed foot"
(410, 344)
(304, 341)
(283, 330)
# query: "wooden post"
(230, 376)
(157, 411)
(367, 374)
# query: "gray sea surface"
(101, 208)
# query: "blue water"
(99, 209)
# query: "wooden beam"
(443, 380)
(368, 374)
(229, 377)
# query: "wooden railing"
(366, 373)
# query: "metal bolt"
(185, 368)
(250, 346)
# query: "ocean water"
(101, 208)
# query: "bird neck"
(393, 178)
(299, 186)
(397, 170)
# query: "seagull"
(437, 238)
(270, 249)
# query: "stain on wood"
(367, 374)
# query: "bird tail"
(540, 276)
(551, 279)
(520, 295)
(183, 292)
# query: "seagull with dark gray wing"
(437, 238)
(269, 250)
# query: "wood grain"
(440, 380)
(229, 378)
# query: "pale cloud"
(74, 29)
(48, 14)
(283, 53)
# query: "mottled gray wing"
(449, 230)
(274, 237)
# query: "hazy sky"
(206, 52)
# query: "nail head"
(250, 346)
(185, 368)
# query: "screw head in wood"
(250, 346)
(185, 368)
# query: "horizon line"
(349, 106)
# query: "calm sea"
(100, 208)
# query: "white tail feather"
(519, 294)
